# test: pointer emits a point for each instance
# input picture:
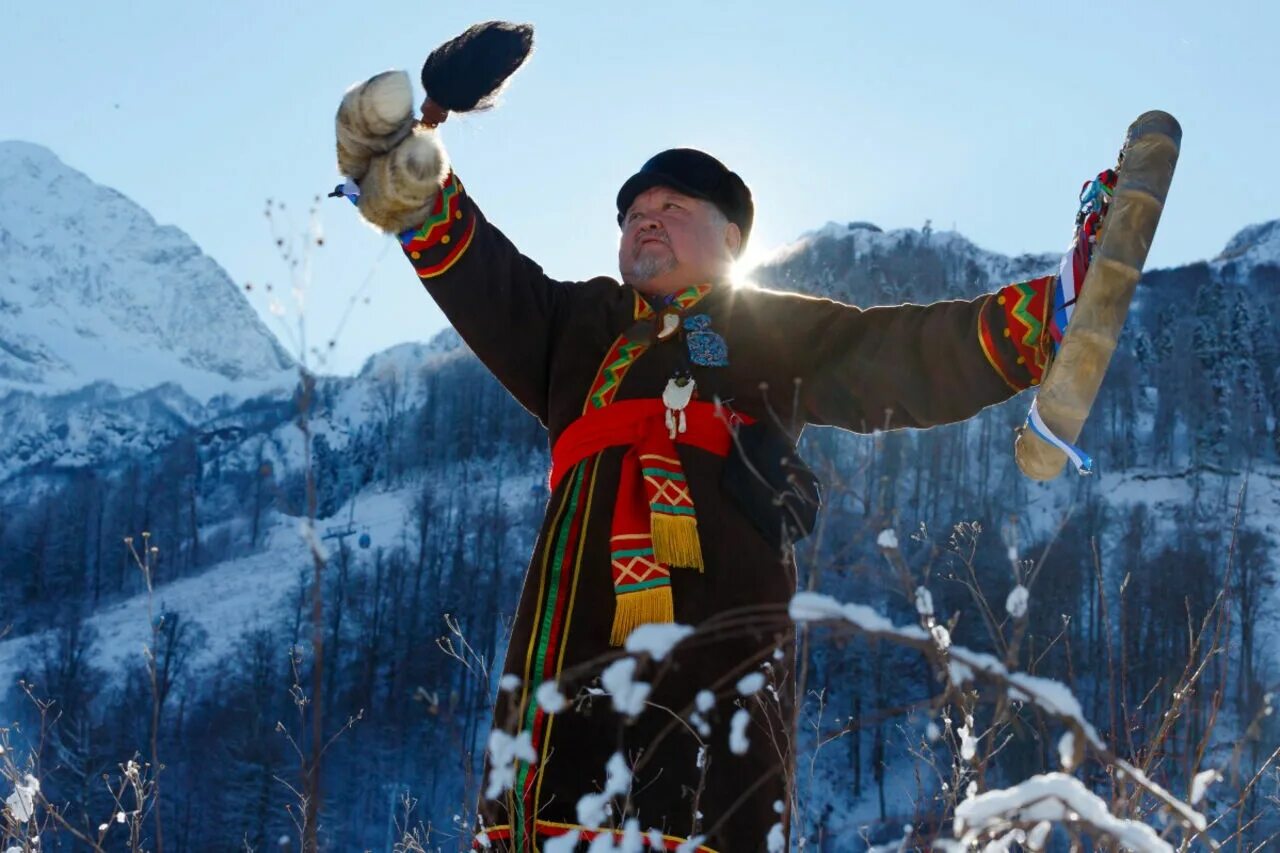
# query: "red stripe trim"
(552, 641)
(557, 620)
(553, 829)
(452, 257)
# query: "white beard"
(648, 266)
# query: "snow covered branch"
(1052, 797)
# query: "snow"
(509, 682)
(504, 751)
(404, 359)
(617, 775)
(1050, 797)
(750, 683)
(566, 843)
(1016, 603)
(867, 239)
(98, 291)
(704, 702)
(549, 698)
(656, 639)
(1201, 782)
(1067, 751)
(1253, 246)
(738, 743)
(632, 841)
(593, 809)
(924, 601)
(21, 803)
(230, 599)
(776, 841)
(965, 664)
(887, 539)
(1052, 696)
(968, 743)
(85, 426)
(602, 843)
(817, 607)
(628, 695)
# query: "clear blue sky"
(982, 116)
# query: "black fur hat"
(694, 173)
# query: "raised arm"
(917, 365)
(500, 302)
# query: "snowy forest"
(160, 548)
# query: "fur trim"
(373, 118)
(399, 188)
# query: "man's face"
(671, 241)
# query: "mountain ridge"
(94, 289)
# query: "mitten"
(394, 165)
(398, 165)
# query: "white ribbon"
(1082, 460)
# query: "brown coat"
(800, 359)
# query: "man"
(647, 388)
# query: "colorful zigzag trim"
(445, 236)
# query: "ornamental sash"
(654, 519)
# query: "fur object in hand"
(398, 165)
(468, 72)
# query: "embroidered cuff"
(1012, 330)
(439, 242)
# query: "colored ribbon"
(1082, 460)
(1095, 198)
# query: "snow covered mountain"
(837, 244)
(92, 289)
(1254, 246)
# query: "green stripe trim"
(1026, 292)
(548, 614)
(673, 510)
(663, 472)
(631, 552)
(636, 587)
(448, 191)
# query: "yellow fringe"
(675, 540)
(633, 609)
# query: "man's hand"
(398, 165)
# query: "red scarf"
(654, 520)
